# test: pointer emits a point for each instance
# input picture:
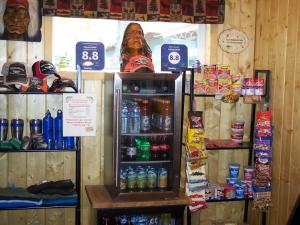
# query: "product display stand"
(100, 200)
(78, 164)
(245, 145)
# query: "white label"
(79, 115)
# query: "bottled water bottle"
(135, 118)
(124, 118)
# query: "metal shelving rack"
(245, 145)
(77, 151)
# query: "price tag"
(174, 57)
(90, 55)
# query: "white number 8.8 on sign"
(174, 58)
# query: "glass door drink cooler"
(142, 135)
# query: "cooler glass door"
(147, 134)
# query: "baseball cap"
(18, 2)
(42, 69)
(139, 63)
(16, 73)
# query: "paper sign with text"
(79, 115)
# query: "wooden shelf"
(41, 207)
(145, 162)
(148, 94)
(35, 93)
(38, 150)
(147, 134)
(100, 198)
(229, 200)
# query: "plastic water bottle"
(48, 130)
(135, 118)
(124, 118)
(58, 132)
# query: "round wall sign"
(233, 41)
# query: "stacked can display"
(234, 188)
(141, 219)
(195, 162)
(263, 158)
(143, 178)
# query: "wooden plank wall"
(218, 116)
(272, 27)
(278, 49)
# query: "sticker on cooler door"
(79, 115)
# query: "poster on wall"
(21, 20)
(79, 117)
(90, 55)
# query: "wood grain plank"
(279, 78)
(288, 109)
(36, 171)
(293, 77)
(92, 146)
(54, 165)
(17, 108)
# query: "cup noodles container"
(234, 170)
(237, 137)
(259, 87)
(249, 173)
(237, 126)
(229, 192)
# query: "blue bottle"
(48, 132)
(69, 142)
(58, 130)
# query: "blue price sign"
(90, 55)
(174, 57)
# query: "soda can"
(123, 179)
(131, 178)
(152, 220)
(141, 178)
(162, 179)
(151, 178)
(133, 219)
(123, 220)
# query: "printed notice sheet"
(79, 115)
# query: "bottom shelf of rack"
(21, 198)
(39, 207)
(229, 200)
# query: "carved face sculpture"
(134, 44)
(134, 38)
(16, 18)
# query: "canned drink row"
(143, 178)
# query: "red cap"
(139, 62)
(18, 2)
